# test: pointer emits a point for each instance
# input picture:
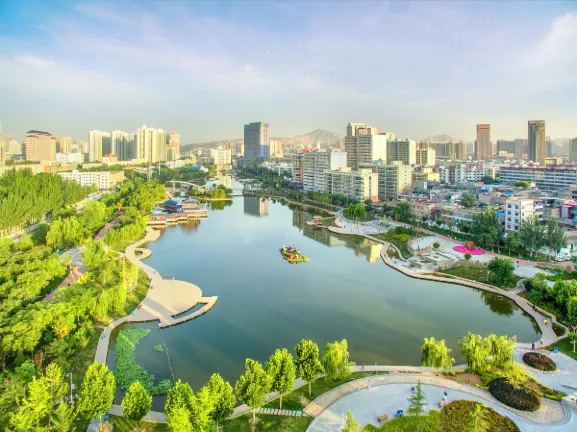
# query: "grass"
(566, 347)
(546, 305)
(292, 401)
(120, 424)
(426, 423)
(479, 273)
(267, 423)
(398, 241)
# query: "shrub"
(436, 245)
(539, 361)
(521, 398)
(455, 417)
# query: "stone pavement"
(389, 393)
(564, 379)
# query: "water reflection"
(256, 206)
(219, 205)
(498, 304)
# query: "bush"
(521, 398)
(455, 417)
(436, 245)
(539, 361)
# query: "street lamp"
(71, 388)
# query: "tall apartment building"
(99, 144)
(174, 143)
(365, 145)
(536, 138)
(221, 156)
(150, 144)
(316, 163)
(360, 185)
(298, 170)
(256, 142)
(483, 145)
(275, 148)
(460, 151)
(65, 145)
(426, 157)
(402, 150)
(517, 210)
(394, 179)
(123, 145)
(573, 150)
(464, 172)
(551, 177)
(40, 146)
(103, 180)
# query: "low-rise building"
(103, 180)
(517, 210)
(316, 163)
(109, 159)
(360, 185)
(76, 158)
(544, 177)
(420, 209)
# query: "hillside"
(325, 137)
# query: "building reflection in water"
(190, 225)
(362, 246)
(256, 206)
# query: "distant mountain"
(324, 137)
(441, 139)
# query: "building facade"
(40, 146)
(316, 163)
(360, 185)
(256, 142)
(76, 158)
(221, 156)
(517, 210)
(103, 180)
(573, 150)
(426, 157)
(536, 140)
(174, 144)
(364, 145)
(150, 144)
(99, 144)
(402, 150)
(394, 179)
(483, 145)
(544, 177)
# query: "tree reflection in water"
(498, 304)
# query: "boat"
(292, 254)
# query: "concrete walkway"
(389, 393)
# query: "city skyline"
(217, 66)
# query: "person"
(363, 366)
(369, 386)
(533, 346)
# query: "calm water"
(344, 291)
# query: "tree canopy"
(485, 228)
(307, 361)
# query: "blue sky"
(206, 68)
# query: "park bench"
(383, 418)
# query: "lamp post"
(71, 399)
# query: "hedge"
(455, 417)
(521, 398)
(539, 361)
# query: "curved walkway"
(389, 393)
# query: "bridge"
(186, 183)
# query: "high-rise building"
(520, 147)
(573, 150)
(65, 144)
(221, 156)
(174, 143)
(316, 163)
(256, 142)
(150, 144)
(360, 185)
(40, 146)
(548, 147)
(460, 151)
(536, 139)
(426, 157)
(364, 145)
(483, 145)
(123, 145)
(402, 150)
(275, 148)
(394, 179)
(99, 144)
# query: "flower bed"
(456, 417)
(464, 250)
(539, 361)
(521, 398)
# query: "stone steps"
(279, 412)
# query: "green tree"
(97, 391)
(511, 241)
(503, 270)
(468, 257)
(355, 212)
(94, 254)
(178, 420)
(417, 403)
(486, 228)
(335, 360)
(352, 425)
(282, 371)
(223, 397)
(477, 420)
(521, 184)
(65, 233)
(554, 237)
(531, 234)
(436, 245)
(401, 211)
(475, 352)
(64, 418)
(307, 361)
(202, 409)
(252, 387)
(179, 399)
(436, 354)
(501, 349)
(136, 402)
(468, 200)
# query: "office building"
(40, 146)
(552, 177)
(103, 180)
(517, 210)
(365, 145)
(573, 150)
(360, 185)
(316, 163)
(394, 179)
(99, 144)
(174, 144)
(256, 142)
(426, 157)
(483, 145)
(402, 150)
(221, 156)
(536, 139)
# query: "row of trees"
(27, 197)
(533, 235)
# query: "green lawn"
(120, 424)
(267, 423)
(427, 423)
(296, 399)
(479, 273)
(565, 346)
(399, 241)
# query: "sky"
(205, 69)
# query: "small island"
(292, 254)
